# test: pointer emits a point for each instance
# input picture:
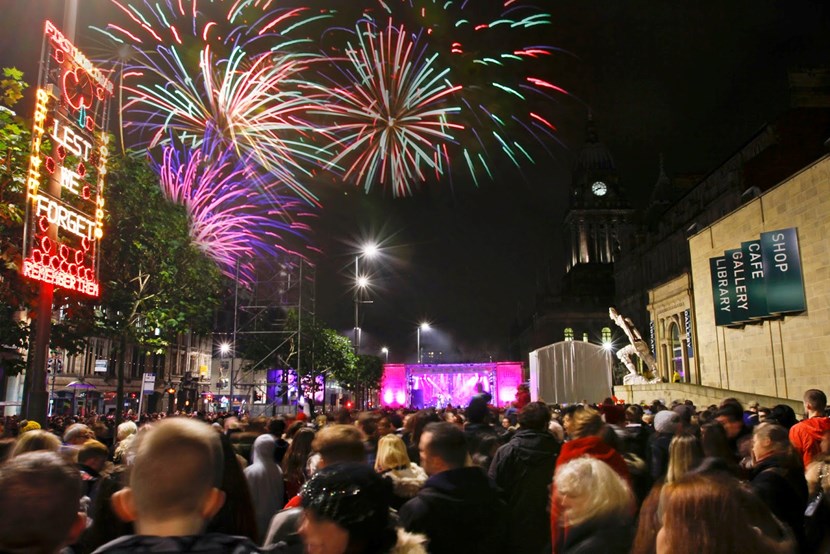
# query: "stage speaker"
(418, 399)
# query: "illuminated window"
(569, 333)
(606, 334)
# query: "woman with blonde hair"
(38, 439)
(596, 507)
(392, 462)
(685, 454)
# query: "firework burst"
(229, 220)
(392, 120)
(191, 74)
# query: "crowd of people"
(533, 478)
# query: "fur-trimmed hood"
(409, 543)
(408, 481)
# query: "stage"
(421, 386)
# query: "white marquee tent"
(570, 371)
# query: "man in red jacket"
(806, 435)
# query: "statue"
(637, 346)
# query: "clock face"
(599, 188)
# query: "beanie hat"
(352, 495)
(28, 425)
(666, 421)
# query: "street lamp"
(224, 349)
(369, 250)
(422, 327)
(385, 352)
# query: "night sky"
(690, 80)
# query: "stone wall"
(778, 358)
(701, 396)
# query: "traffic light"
(132, 395)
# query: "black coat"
(605, 536)
(783, 489)
(523, 470)
(459, 510)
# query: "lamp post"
(361, 282)
(385, 352)
(422, 327)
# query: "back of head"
(732, 411)
(448, 443)
(783, 415)
(715, 513)
(816, 400)
(92, 450)
(355, 498)
(535, 416)
(125, 430)
(585, 422)
(685, 454)
(368, 423)
(339, 443)
(177, 463)
(634, 414)
(391, 453)
(39, 501)
(77, 433)
(32, 441)
(276, 426)
(601, 491)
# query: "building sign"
(687, 322)
(763, 278)
(782, 271)
(67, 169)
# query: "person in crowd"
(346, 511)
(685, 454)
(731, 417)
(393, 463)
(124, 437)
(420, 420)
(635, 437)
(523, 469)
(237, 515)
(783, 415)
(276, 428)
(174, 491)
(478, 427)
(295, 461)
(35, 440)
(77, 434)
(40, 496)
(457, 493)
(817, 514)
(585, 427)
(334, 444)
(714, 514)
(92, 458)
(385, 426)
(666, 423)
(596, 509)
(265, 482)
(717, 456)
(367, 422)
(806, 435)
(778, 477)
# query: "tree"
(155, 282)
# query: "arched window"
(569, 333)
(606, 334)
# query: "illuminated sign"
(67, 169)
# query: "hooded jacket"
(523, 469)
(806, 435)
(265, 482)
(459, 510)
(211, 543)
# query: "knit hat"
(352, 495)
(28, 425)
(666, 421)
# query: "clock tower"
(598, 213)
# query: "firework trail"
(391, 117)
(229, 221)
(228, 69)
(488, 48)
